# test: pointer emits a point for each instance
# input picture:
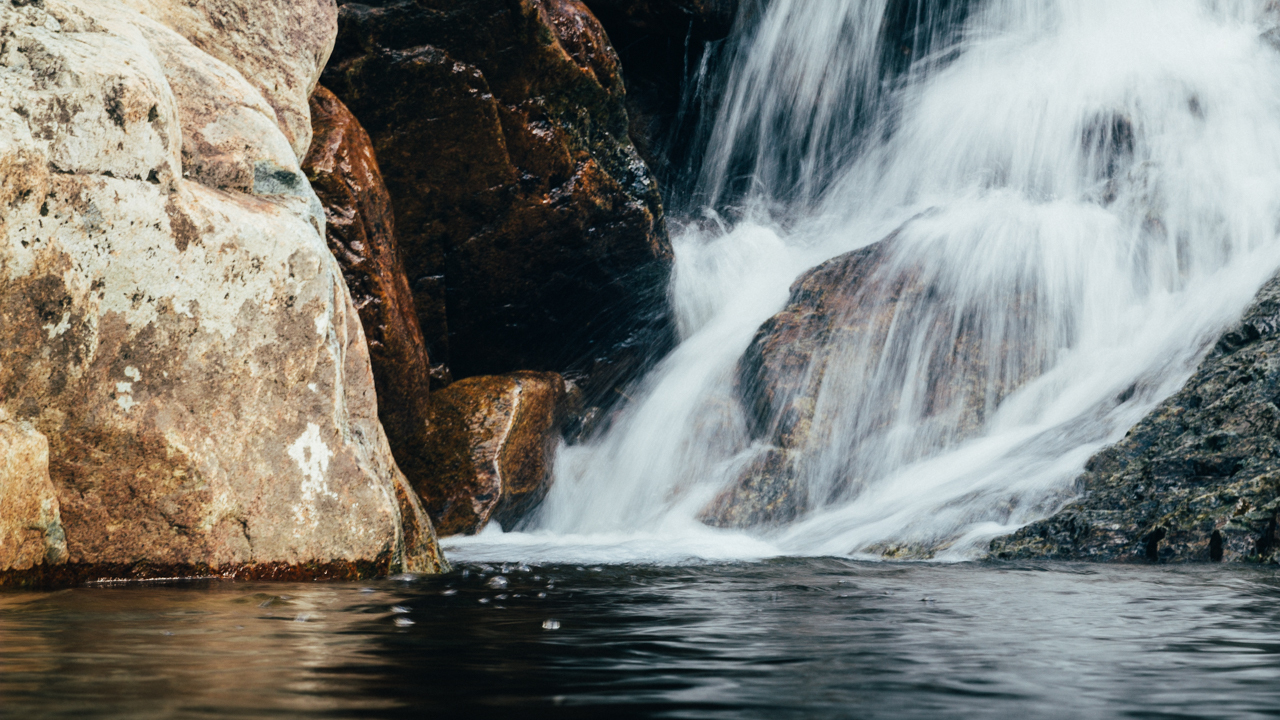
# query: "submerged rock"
(360, 229)
(491, 446)
(180, 335)
(30, 524)
(1197, 479)
(868, 314)
(524, 214)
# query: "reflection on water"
(780, 639)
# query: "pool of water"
(811, 638)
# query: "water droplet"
(450, 591)
(484, 601)
(399, 609)
(403, 622)
(541, 595)
(550, 624)
(497, 582)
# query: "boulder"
(360, 228)
(30, 524)
(278, 47)
(180, 335)
(821, 380)
(532, 233)
(1198, 479)
(492, 444)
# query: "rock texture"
(360, 229)
(532, 232)
(492, 447)
(30, 524)
(863, 312)
(661, 44)
(1198, 479)
(179, 333)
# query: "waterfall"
(1089, 188)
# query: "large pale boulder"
(181, 335)
(279, 47)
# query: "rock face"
(492, 446)
(532, 233)
(865, 312)
(361, 232)
(30, 524)
(174, 324)
(1197, 479)
(661, 44)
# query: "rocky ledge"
(1198, 479)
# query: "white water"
(1115, 164)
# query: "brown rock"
(523, 211)
(360, 229)
(492, 443)
(845, 319)
(30, 525)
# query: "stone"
(662, 45)
(493, 440)
(360, 228)
(30, 523)
(1197, 479)
(184, 341)
(279, 47)
(851, 313)
(532, 232)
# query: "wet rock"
(865, 314)
(30, 525)
(525, 216)
(492, 443)
(185, 342)
(1198, 479)
(661, 44)
(360, 229)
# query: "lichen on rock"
(182, 339)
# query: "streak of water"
(1092, 188)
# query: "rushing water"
(817, 638)
(1091, 186)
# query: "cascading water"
(1090, 188)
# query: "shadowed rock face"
(177, 331)
(491, 446)
(862, 316)
(661, 44)
(532, 233)
(1198, 479)
(361, 232)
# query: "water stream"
(1091, 186)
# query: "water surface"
(812, 638)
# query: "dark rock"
(1198, 479)
(360, 230)
(491, 447)
(662, 44)
(524, 214)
